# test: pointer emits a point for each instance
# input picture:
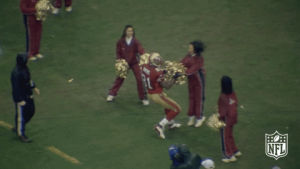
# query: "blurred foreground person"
(182, 158)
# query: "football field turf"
(255, 42)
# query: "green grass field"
(256, 42)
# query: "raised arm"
(195, 67)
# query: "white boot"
(39, 56)
(69, 9)
(191, 121)
(228, 160)
(145, 102)
(199, 122)
(110, 98)
(160, 131)
(55, 11)
(238, 154)
(174, 125)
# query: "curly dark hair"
(198, 47)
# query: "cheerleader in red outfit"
(195, 72)
(129, 48)
(227, 108)
(33, 29)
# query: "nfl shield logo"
(276, 145)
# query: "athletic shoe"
(39, 56)
(55, 11)
(174, 125)
(110, 98)
(68, 9)
(25, 139)
(32, 58)
(238, 154)
(200, 122)
(160, 131)
(228, 160)
(191, 121)
(145, 102)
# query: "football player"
(153, 76)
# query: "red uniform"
(227, 106)
(153, 77)
(33, 27)
(196, 82)
(58, 3)
(130, 54)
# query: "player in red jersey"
(129, 48)
(33, 29)
(227, 108)
(154, 80)
(195, 72)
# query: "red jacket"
(129, 52)
(194, 64)
(227, 106)
(28, 6)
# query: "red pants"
(58, 3)
(119, 81)
(196, 96)
(172, 108)
(33, 34)
(228, 144)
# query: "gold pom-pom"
(214, 123)
(121, 67)
(172, 68)
(42, 8)
(144, 59)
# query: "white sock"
(163, 122)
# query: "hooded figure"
(22, 86)
(182, 158)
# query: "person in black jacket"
(22, 87)
(182, 158)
